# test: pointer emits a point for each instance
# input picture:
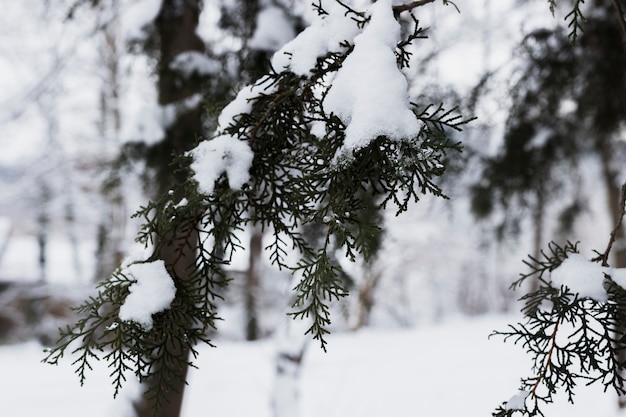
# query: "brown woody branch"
(409, 6)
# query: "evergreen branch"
(548, 262)
(320, 283)
(594, 336)
(546, 365)
(574, 18)
(402, 55)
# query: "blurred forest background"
(96, 95)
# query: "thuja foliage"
(575, 18)
(295, 184)
(572, 339)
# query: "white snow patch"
(137, 17)
(517, 401)
(367, 374)
(618, 275)
(243, 102)
(189, 63)
(582, 277)
(148, 122)
(152, 292)
(223, 154)
(273, 30)
(369, 93)
(226, 153)
(143, 122)
(323, 35)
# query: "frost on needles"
(319, 142)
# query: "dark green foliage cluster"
(567, 102)
(296, 184)
(127, 347)
(571, 339)
(538, 136)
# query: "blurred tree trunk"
(175, 33)
(613, 192)
(367, 292)
(112, 222)
(291, 344)
(252, 284)
(43, 227)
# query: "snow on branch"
(573, 326)
(369, 93)
(151, 292)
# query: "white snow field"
(445, 370)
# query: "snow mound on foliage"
(369, 93)
(152, 292)
(324, 35)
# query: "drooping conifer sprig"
(575, 18)
(571, 338)
(402, 53)
(296, 181)
(296, 184)
(159, 352)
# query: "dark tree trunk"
(252, 284)
(175, 33)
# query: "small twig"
(620, 16)
(605, 256)
(350, 10)
(409, 6)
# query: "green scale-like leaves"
(296, 186)
(571, 339)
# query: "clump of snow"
(153, 291)
(325, 34)
(224, 154)
(273, 30)
(243, 102)
(582, 277)
(369, 93)
(517, 401)
(618, 275)
(227, 153)
(137, 16)
(189, 63)
(143, 122)
(586, 278)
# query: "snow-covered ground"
(445, 370)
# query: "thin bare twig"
(409, 6)
(605, 256)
